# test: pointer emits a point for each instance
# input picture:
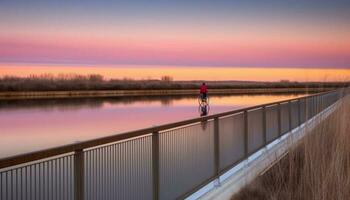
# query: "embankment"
(318, 168)
(118, 93)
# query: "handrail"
(55, 151)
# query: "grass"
(318, 168)
(73, 82)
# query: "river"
(32, 125)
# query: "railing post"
(216, 148)
(155, 165)
(290, 115)
(299, 112)
(246, 133)
(264, 125)
(79, 174)
(279, 119)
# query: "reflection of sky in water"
(38, 124)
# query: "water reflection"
(30, 125)
(204, 110)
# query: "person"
(203, 91)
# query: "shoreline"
(131, 93)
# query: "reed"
(317, 168)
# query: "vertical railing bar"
(264, 121)
(62, 177)
(104, 170)
(155, 165)
(98, 173)
(50, 180)
(279, 119)
(9, 185)
(123, 162)
(66, 176)
(91, 174)
(1, 188)
(109, 172)
(71, 166)
(101, 173)
(20, 195)
(46, 180)
(24, 183)
(15, 190)
(1, 192)
(290, 115)
(1, 185)
(299, 112)
(42, 172)
(96, 158)
(41, 180)
(100, 166)
(106, 173)
(128, 163)
(35, 178)
(30, 181)
(12, 184)
(17, 183)
(114, 170)
(79, 174)
(23, 179)
(59, 179)
(134, 172)
(131, 145)
(246, 133)
(89, 178)
(216, 148)
(71, 177)
(6, 184)
(55, 181)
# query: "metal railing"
(165, 162)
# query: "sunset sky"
(168, 36)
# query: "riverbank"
(122, 93)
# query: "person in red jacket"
(203, 91)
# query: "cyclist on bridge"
(203, 91)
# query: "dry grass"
(318, 168)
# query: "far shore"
(161, 92)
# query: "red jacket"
(203, 89)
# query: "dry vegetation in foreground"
(72, 82)
(318, 168)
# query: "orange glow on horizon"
(184, 73)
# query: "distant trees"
(167, 78)
(67, 82)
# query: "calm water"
(31, 125)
